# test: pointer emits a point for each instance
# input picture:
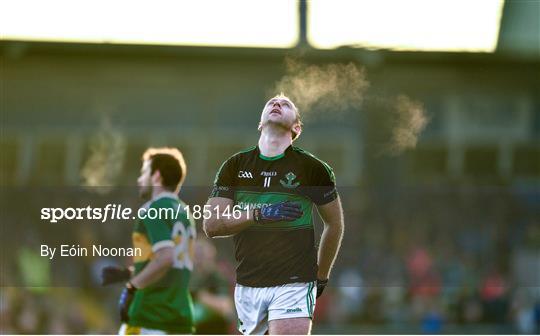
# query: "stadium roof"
(415, 25)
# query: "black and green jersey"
(276, 253)
(165, 305)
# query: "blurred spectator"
(493, 292)
(524, 311)
(424, 282)
(349, 296)
(213, 304)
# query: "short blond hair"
(298, 116)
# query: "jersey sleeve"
(324, 184)
(225, 180)
(158, 231)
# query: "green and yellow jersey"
(165, 305)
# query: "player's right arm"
(218, 225)
(222, 200)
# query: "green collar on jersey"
(272, 158)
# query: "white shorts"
(256, 306)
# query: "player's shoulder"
(243, 154)
(175, 207)
(311, 159)
(165, 200)
(320, 168)
(229, 165)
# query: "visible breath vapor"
(334, 87)
(410, 119)
(107, 151)
(394, 123)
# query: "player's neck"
(158, 190)
(274, 142)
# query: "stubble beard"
(278, 125)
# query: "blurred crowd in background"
(453, 259)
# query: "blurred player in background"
(156, 298)
(279, 274)
(213, 311)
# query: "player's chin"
(274, 116)
(281, 122)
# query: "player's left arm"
(163, 249)
(152, 272)
(332, 215)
